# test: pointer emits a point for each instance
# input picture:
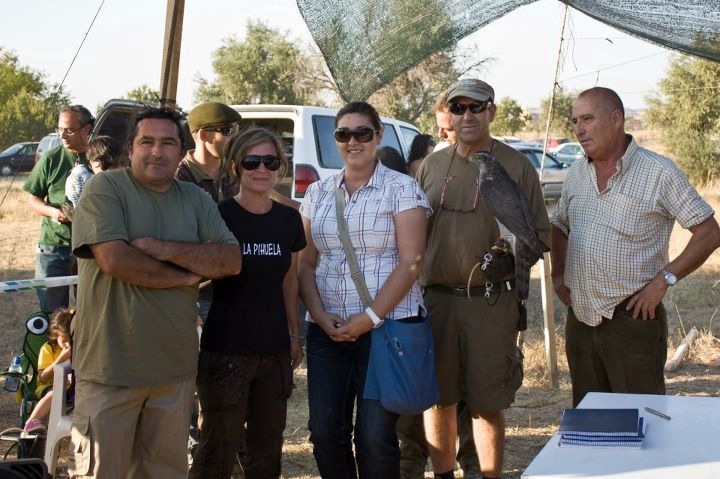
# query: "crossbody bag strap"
(355, 272)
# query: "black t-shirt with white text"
(247, 314)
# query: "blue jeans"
(336, 381)
(52, 261)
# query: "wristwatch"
(377, 322)
(669, 277)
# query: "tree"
(264, 68)
(509, 117)
(28, 106)
(687, 109)
(562, 114)
(143, 93)
(411, 95)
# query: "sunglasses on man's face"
(460, 109)
(252, 162)
(363, 134)
(226, 130)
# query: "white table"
(687, 446)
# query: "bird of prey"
(511, 208)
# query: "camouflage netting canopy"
(367, 43)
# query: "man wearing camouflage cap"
(474, 340)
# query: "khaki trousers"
(131, 432)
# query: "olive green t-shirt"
(456, 239)
(128, 335)
(47, 181)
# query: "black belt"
(486, 290)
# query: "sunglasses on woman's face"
(460, 109)
(252, 162)
(363, 134)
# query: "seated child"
(56, 351)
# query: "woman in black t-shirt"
(251, 342)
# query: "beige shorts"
(476, 353)
(138, 432)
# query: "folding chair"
(24, 385)
(60, 421)
(35, 337)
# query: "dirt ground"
(530, 421)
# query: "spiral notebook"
(623, 428)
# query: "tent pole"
(545, 278)
(171, 53)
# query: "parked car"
(554, 171)
(19, 157)
(553, 141)
(47, 142)
(568, 152)
(508, 139)
(305, 131)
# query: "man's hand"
(644, 302)
(58, 216)
(355, 326)
(562, 291)
(296, 352)
(151, 247)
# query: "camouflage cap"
(212, 115)
(471, 88)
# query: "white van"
(306, 132)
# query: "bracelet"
(296, 336)
(377, 322)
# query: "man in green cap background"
(211, 124)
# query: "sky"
(124, 47)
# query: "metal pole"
(545, 278)
(171, 53)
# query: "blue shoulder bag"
(401, 371)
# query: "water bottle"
(15, 365)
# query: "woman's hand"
(296, 351)
(355, 326)
(328, 322)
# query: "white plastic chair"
(59, 422)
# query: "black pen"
(657, 413)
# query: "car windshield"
(12, 150)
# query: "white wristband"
(377, 322)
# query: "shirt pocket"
(628, 217)
(383, 220)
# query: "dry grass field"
(530, 422)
